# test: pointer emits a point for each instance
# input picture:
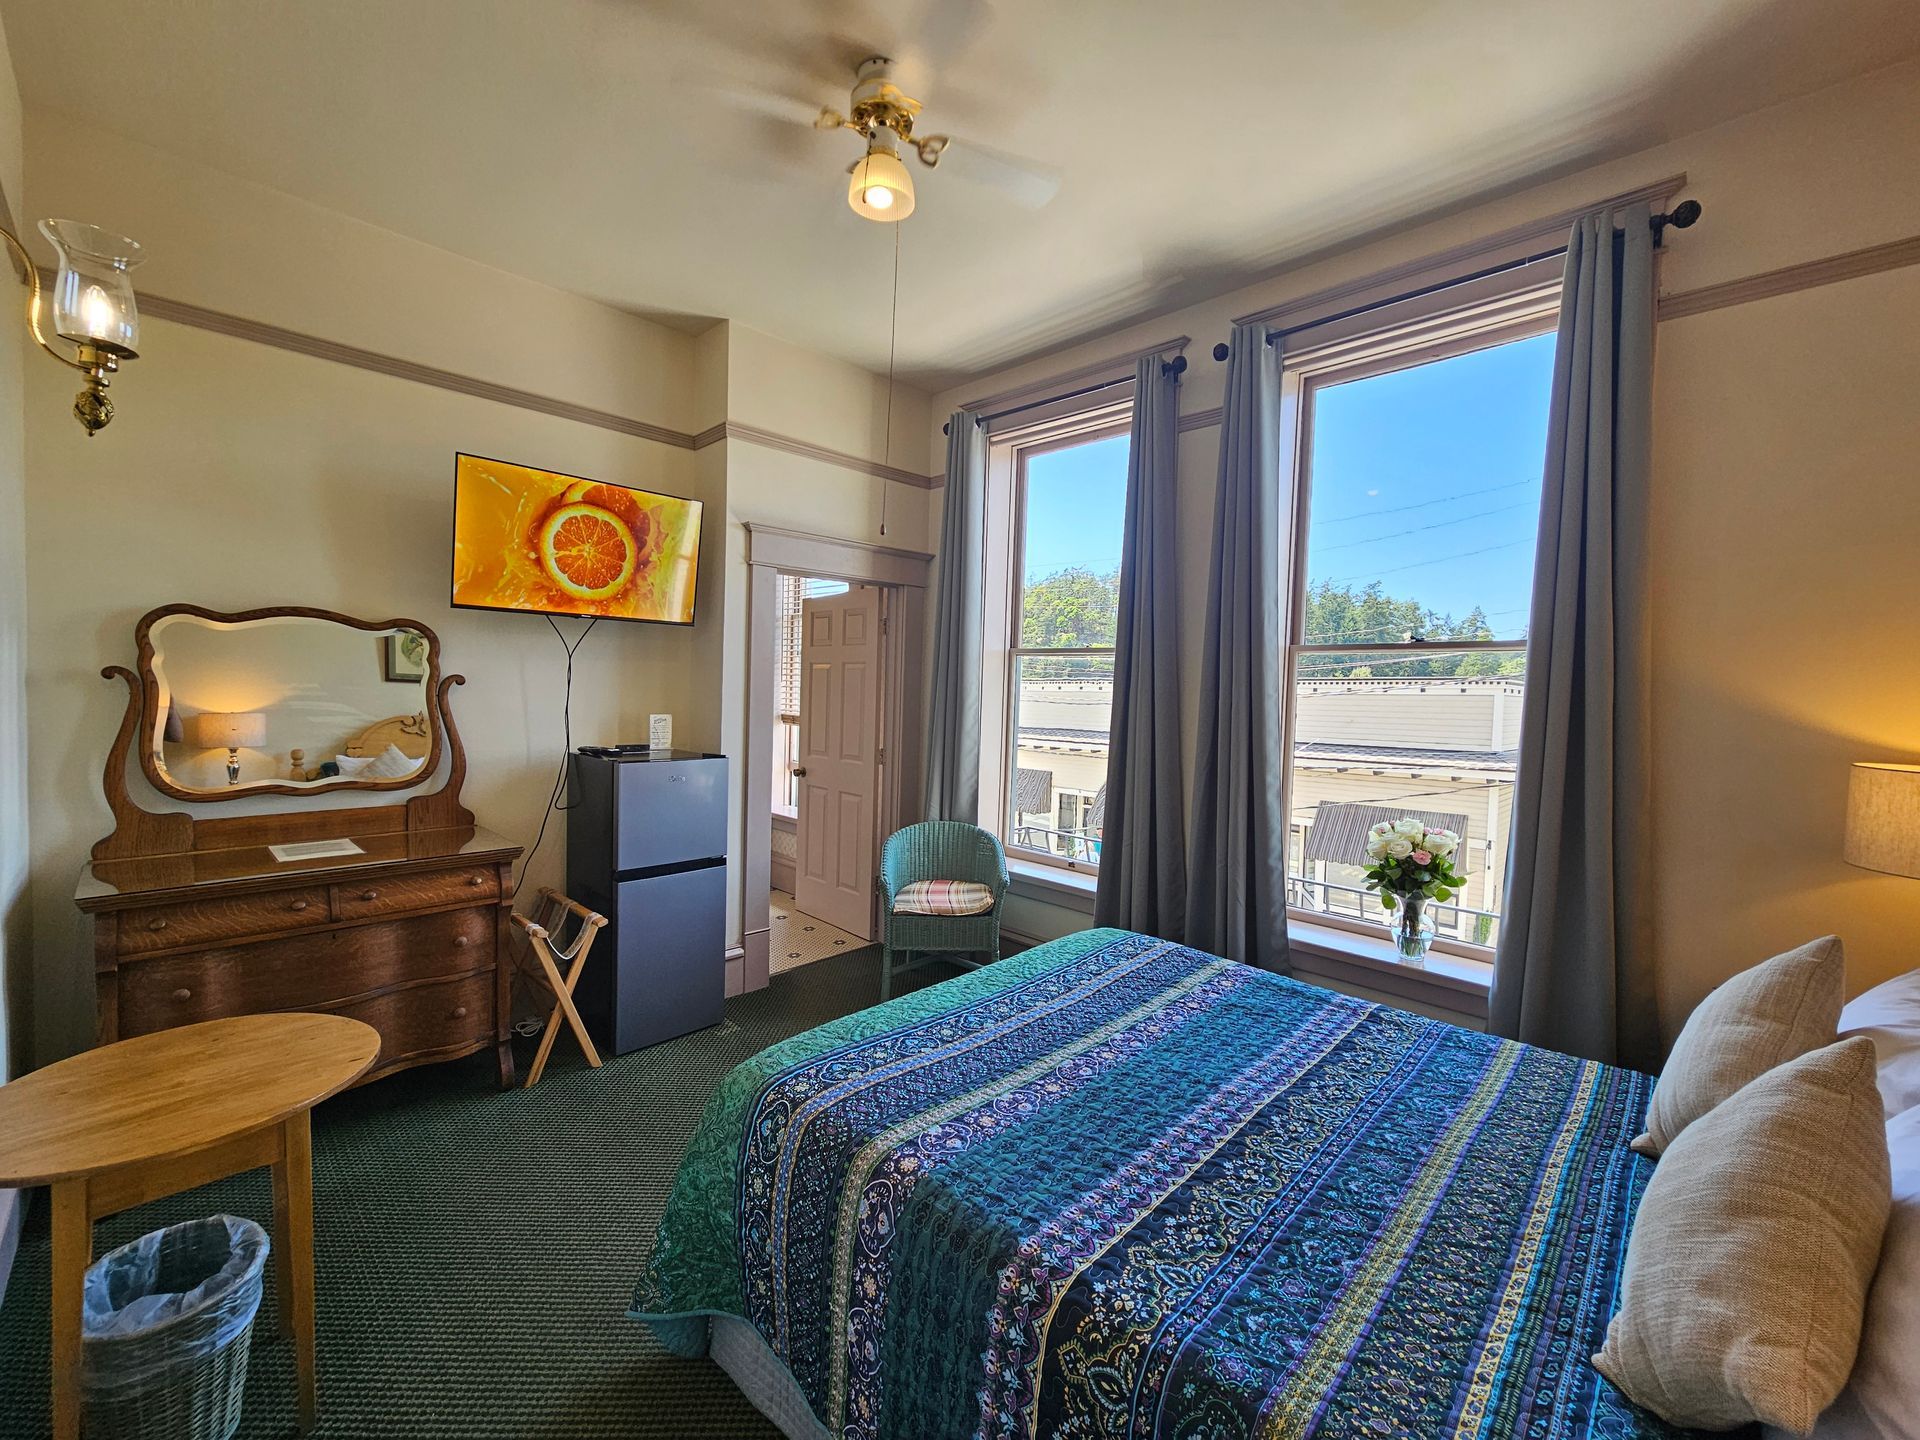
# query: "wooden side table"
(133, 1121)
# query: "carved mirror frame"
(150, 704)
(138, 831)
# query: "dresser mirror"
(285, 701)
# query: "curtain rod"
(1176, 366)
(1682, 217)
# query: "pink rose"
(1422, 857)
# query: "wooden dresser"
(194, 916)
(410, 937)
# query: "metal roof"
(1338, 832)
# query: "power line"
(1423, 564)
(1328, 637)
(1419, 529)
(1423, 504)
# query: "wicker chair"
(939, 850)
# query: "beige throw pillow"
(1747, 1272)
(1761, 1018)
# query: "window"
(792, 591)
(1068, 506)
(1418, 485)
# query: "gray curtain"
(1236, 903)
(1143, 863)
(1574, 966)
(953, 721)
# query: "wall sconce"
(92, 307)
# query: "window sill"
(1450, 981)
(1052, 885)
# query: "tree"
(1337, 613)
(1070, 608)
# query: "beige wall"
(1787, 510)
(16, 909)
(239, 475)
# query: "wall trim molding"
(791, 445)
(1806, 275)
(1201, 419)
(298, 342)
(259, 332)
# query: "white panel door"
(839, 753)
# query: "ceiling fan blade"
(944, 31)
(1025, 182)
(772, 105)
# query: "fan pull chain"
(893, 340)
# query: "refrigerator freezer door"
(669, 812)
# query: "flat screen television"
(552, 544)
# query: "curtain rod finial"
(1221, 350)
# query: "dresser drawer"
(302, 972)
(468, 885)
(202, 922)
(424, 1018)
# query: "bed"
(1117, 1187)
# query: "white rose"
(1442, 844)
(1399, 849)
(1409, 828)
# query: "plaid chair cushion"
(943, 897)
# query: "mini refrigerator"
(647, 848)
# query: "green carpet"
(477, 1250)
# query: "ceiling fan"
(880, 186)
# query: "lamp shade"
(215, 730)
(880, 188)
(1883, 818)
(92, 296)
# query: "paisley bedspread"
(1117, 1187)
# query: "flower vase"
(1412, 927)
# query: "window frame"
(1397, 335)
(1008, 455)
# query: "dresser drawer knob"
(158, 924)
(369, 894)
(459, 1012)
(476, 881)
(460, 942)
(183, 993)
(298, 905)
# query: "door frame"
(903, 577)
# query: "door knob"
(799, 771)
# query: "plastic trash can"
(165, 1324)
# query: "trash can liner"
(169, 1298)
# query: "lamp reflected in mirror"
(214, 730)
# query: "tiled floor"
(800, 939)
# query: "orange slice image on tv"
(587, 551)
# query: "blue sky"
(1427, 479)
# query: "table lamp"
(218, 730)
(1883, 818)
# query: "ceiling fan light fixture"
(880, 188)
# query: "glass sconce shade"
(881, 188)
(92, 294)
